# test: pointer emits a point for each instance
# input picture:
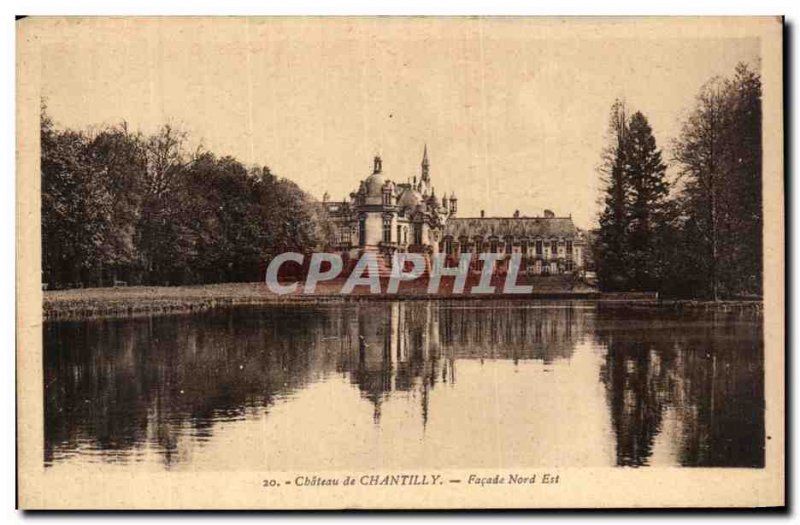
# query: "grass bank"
(90, 303)
(154, 300)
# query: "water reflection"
(405, 384)
(697, 381)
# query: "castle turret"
(425, 165)
(425, 176)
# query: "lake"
(417, 384)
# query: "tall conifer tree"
(612, 242)
(648, 189)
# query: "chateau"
(384, 217)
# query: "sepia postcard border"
(578, 488)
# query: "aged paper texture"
(400, 263)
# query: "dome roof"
(374, 184)
(410, 199)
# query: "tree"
(164, 234)
(227, 228)
(117, 162)
(75, 221)
(119, 205)
(289, 210)
(743, 192)
(648, 190)
(719, 155)
(699, 152)
(611, 245)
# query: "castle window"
(523, 247)
(418, 233)
(494, 246)
(362, 231)
(387, 230)
(569, 250)
(509, 245)
(539, 248)
(554, 247)
(399, 233)
(344, 235)
(387, 199)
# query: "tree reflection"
(706, 368)
(116, 385)
(117, 388)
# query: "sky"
(514, 112)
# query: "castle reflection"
(687, 389)
(406, 346)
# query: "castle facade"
(383, 217)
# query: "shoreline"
(102, 303)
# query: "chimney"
(482, 214)
(516, 214)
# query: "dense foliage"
(121, 206)
(703, 236)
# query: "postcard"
(400, 263)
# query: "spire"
(425, 164)
(377, 164)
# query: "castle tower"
(425, 165)
(425, 178)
